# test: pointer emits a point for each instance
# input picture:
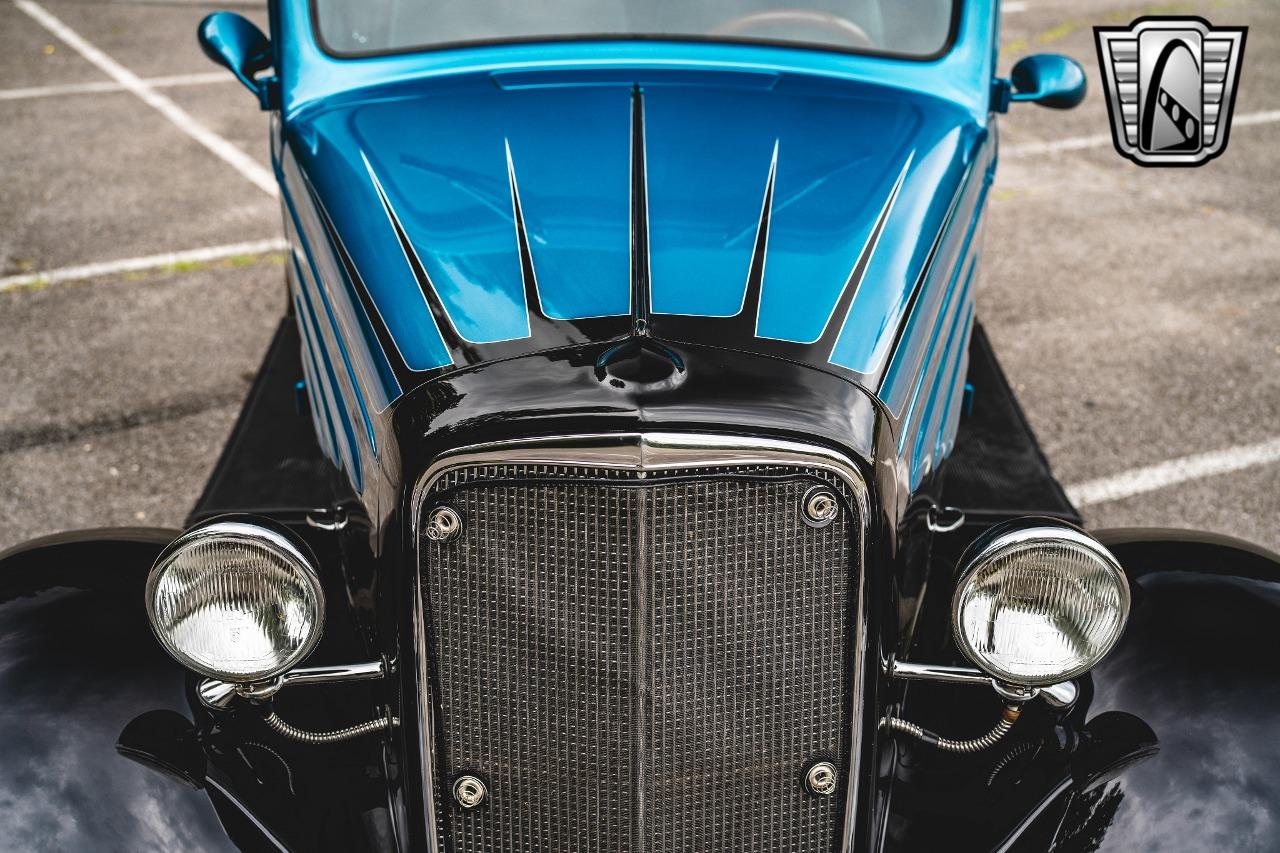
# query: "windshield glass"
(911, 28)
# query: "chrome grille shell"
(592, 477)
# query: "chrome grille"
(639, 663)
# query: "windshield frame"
(953, 31)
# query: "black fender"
(1198, 664)
(78, 663)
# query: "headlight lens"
(236, 600)
(1037, 605)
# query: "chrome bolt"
(444, 524)
(821, 779)
(820, 507)
(469, 792)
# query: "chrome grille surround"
(633, 457)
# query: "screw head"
(821, 779)
(444, 524)
(469, 792)
(820, 507)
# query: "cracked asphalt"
(1135, 310)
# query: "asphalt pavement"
(1136, 310)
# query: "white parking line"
(111, 86)
(149, 262)
(1013, 8)
(1076, 143)
(237, 159)
(1141, 480)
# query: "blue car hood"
(487, 216)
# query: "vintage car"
(629, 472)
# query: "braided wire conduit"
(282, 728)
(1008, 717)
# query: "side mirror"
(1050, 80)
(232, 40)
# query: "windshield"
(910, 28)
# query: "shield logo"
(1171, 84)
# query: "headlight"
(1038, 605)
(236, 600)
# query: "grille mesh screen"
(639, 665)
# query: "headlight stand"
(1059, 696)
(220, 695)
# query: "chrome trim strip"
(424, 694)
(219, 694)
(937, 672)
(644, 452)
(1060, 695)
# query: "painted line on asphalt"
(97, 86)
(258, 175)
(1012, 8)
(1077, 143)
(149, 262)
(1152, 477)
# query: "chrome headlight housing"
(236, 599)
(1038, 603)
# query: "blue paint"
(929, 314)
(710, 149)
(1050, 80)
(308, 282)
(946, 405)
(320, 412)
(574, 179)
(440, 156)
(341, 180)
(309, 78)
(880, 305)
(300, 398)
(379, 379)
(348, 450)
(950, 309)
(943, 388)
(453, 137)
(441, 159)
(707, 159)
(830, 189)
(443, 169)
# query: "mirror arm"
(1001, 94)
(268, 91)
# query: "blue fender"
(1198, 664)
(77, 665)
